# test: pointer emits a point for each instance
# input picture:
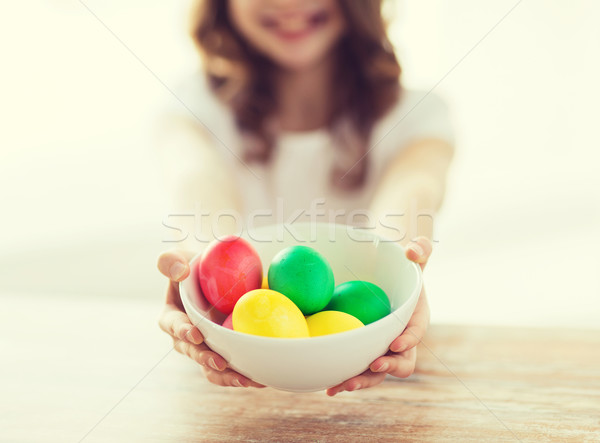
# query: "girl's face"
(294, 34)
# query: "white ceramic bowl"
(313, 364)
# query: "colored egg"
(265, 283)
(304, 276)
(269, 314)
(228, 323)
(364, 300)
(228, 269)
(331, 322)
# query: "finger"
(174, 264)
(419, 250)
(362, 381)
(177, 324)
(173, 295)
(399, 365)
(202, 355)
(230, 378)
(416, 327)
(215, 366)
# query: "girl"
(300, 102)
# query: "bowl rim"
(259, 338)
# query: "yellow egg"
(265, 282)
(331, 322)
(270, 314)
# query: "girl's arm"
(200, 182)
(413, 185)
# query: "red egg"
(228, 269)
(228, 323)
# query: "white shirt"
(298, 176)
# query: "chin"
(297, 64)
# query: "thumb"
(174, 264)
(419, 250)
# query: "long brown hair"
(366, 83)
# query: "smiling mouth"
(296, 26)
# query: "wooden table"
(100, 370)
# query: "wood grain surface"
(100, 370)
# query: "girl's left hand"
(401, 358)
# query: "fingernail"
(400, 348)
(194, 336)
(212, 364)
(417, 248)
(183, 333)
(384, 367)
(177, 270)
(237, 383)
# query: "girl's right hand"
(187, 339)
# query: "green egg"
(364, 300)
(304, 276)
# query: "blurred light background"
(518, 237)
